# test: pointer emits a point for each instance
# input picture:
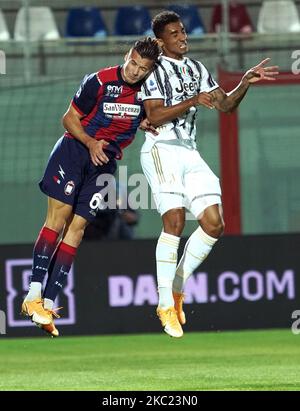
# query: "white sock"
(166, 261)
(197, 248)
(48, 304)
(35, 291)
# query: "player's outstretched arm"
(158, 113)
(228, 102)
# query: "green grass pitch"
(245, 360)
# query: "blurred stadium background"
(42, 76)
(44, 60)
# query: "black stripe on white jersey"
(146, 90)
(167, 86)
(178, 74)
(168, 90)
(192, 123)
(211, 81)
(177, 133)
(198, 67)
(198, 91)
(193, 120)
(193, 76)
(158, 79)
(185, 94)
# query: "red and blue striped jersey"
(111, 109)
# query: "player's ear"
(160, 43)
(125, 57)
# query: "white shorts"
(179, 177)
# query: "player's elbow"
(65, 119)
(224, 104)
(226, 108)
(154, 119)
(156, 123)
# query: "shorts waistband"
(113, 147)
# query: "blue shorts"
(71, 177)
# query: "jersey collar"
(183, 61)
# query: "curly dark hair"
(160, 21)
(147, 48)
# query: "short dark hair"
(147, 48)
(160, 21)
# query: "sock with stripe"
(42, 254)
(59, 270)
(166, 261)
(197, 248)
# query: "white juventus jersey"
(174, 81)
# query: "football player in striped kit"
(179, 178)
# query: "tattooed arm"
(228, 102)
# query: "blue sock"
(59, 269)
(42, 253)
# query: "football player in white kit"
(179, 178)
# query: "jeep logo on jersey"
(122, 110)
(114, 91)
(187, 87)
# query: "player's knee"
(174, 222)
(74, 234)
(77, 233)
(56, 224)
(214, 229)
(56, 220)
(218, 229)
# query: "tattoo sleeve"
(228, 102)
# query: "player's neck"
(173, 57)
